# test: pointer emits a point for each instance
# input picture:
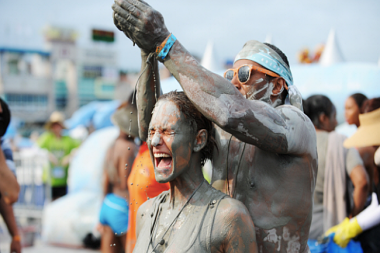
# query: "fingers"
(116, 22)
(125, 15)
(131, 7)
(141, 5)
(126, 9)
(126, 25)
(144, 2)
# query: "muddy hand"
(140, 22)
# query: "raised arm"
(281, 130)
(253, 122)
(148, 92)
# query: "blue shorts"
(114, 213)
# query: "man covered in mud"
(192, 216)
(267, 155)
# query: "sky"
(293, 25)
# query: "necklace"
(162, 241)
(237, 171)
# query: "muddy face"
(257, 86)
(170, 141)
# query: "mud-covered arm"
(148, 90)
(284, 130)
(233, 229)
(253, 122)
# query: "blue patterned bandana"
(268, 58)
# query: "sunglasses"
(244, 73)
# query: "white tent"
(209, 59)
(269, 39)
(332, 53)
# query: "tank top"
(195, 232)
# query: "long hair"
(316, 105)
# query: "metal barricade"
(30, 164)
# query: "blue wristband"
(166, 48)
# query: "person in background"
(336, 165)
(60, 150)
(114, 212)
(366, 224)
(353, 107)
(372, 105)
(10, 188)
(367, 141)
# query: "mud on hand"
(140, 22)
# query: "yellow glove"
(345, 231)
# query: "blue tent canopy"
(96, 113)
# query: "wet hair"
(317, 105)
(371, 105)
(359, 100)
(285, 59)
(5, 117)
(196, 120)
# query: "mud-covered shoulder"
(233, 225)
(229, 208)
(300, 132)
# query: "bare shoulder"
(229, 208)
(233, 226)
(300, 130)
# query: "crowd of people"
(281, 173)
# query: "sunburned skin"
(267, 151)
(172, 138)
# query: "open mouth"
(162, 160)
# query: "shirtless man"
(114, 211)
(267, 150)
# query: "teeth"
(157, 155)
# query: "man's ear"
(278, 86)
(200, 140)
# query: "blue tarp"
(96, 113)
(331, 247)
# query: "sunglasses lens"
(243, 74)
(229, 75)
